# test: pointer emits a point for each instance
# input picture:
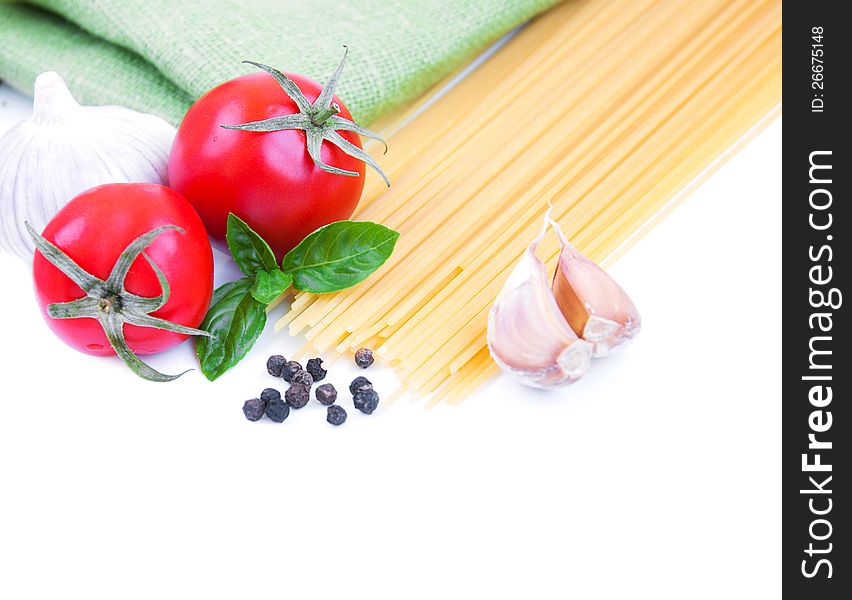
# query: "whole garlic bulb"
(66, 148)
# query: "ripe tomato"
(93, 230)
(268, 179)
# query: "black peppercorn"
(314, 367)
(302, 378)
(275, 364)
(326, 394)
(364, 357)
(297, 395)
(253, 409)
(360, 384)
(366, 401)
(290, 369)
(277, 410)
(270, 394)
(336, 415)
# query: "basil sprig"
(338, 256)
(236, 320)
(332, 258)
(250, 251)
(268, 285)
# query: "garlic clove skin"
(527, 335)
(65, 149)
(595, 306)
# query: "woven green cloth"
(158, 55)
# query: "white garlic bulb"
(528, 336)
(596, 307)
(64, 149)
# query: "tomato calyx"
(110, 303)
(320, 121)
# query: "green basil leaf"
(268, 285)
(236, 320)
(339, 255)
(250, 251)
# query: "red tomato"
(266, 178)
(93, 230)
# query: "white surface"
(657, 476)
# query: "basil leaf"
(268, 285)
(339, 255)
(236, 320)
(250, 251)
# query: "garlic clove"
(595, 306)
(65, 149)
(527, 335)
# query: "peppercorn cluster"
(298, 394)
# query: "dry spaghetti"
(610, 109)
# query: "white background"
(656, 476)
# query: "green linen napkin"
(159, 55)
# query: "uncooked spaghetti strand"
(531, 227)
(570, 20)
(394, 317)
(364, 318)
(600, 18)
(454, 318)
(667, 105)
(620, 228)
(306, 319)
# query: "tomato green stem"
(110, 303)
(320, 122)
(322, 115)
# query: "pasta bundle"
(610, 109)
